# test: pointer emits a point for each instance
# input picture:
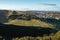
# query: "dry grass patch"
(32, 22)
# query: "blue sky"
(51, 5)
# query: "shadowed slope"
(11, 31)
(54, 22)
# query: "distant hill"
(29, 25)
(27, 18)
(4, 14)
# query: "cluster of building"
(50, 15)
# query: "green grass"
(32, 22)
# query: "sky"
(41, 5)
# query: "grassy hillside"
(39, 23)
(23, 19)
(32, 22)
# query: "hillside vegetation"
(29, 19)
(32, 22)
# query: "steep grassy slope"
(32, 22)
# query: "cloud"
(48, 4)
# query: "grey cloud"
(48, 4)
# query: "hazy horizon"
(22, 5)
